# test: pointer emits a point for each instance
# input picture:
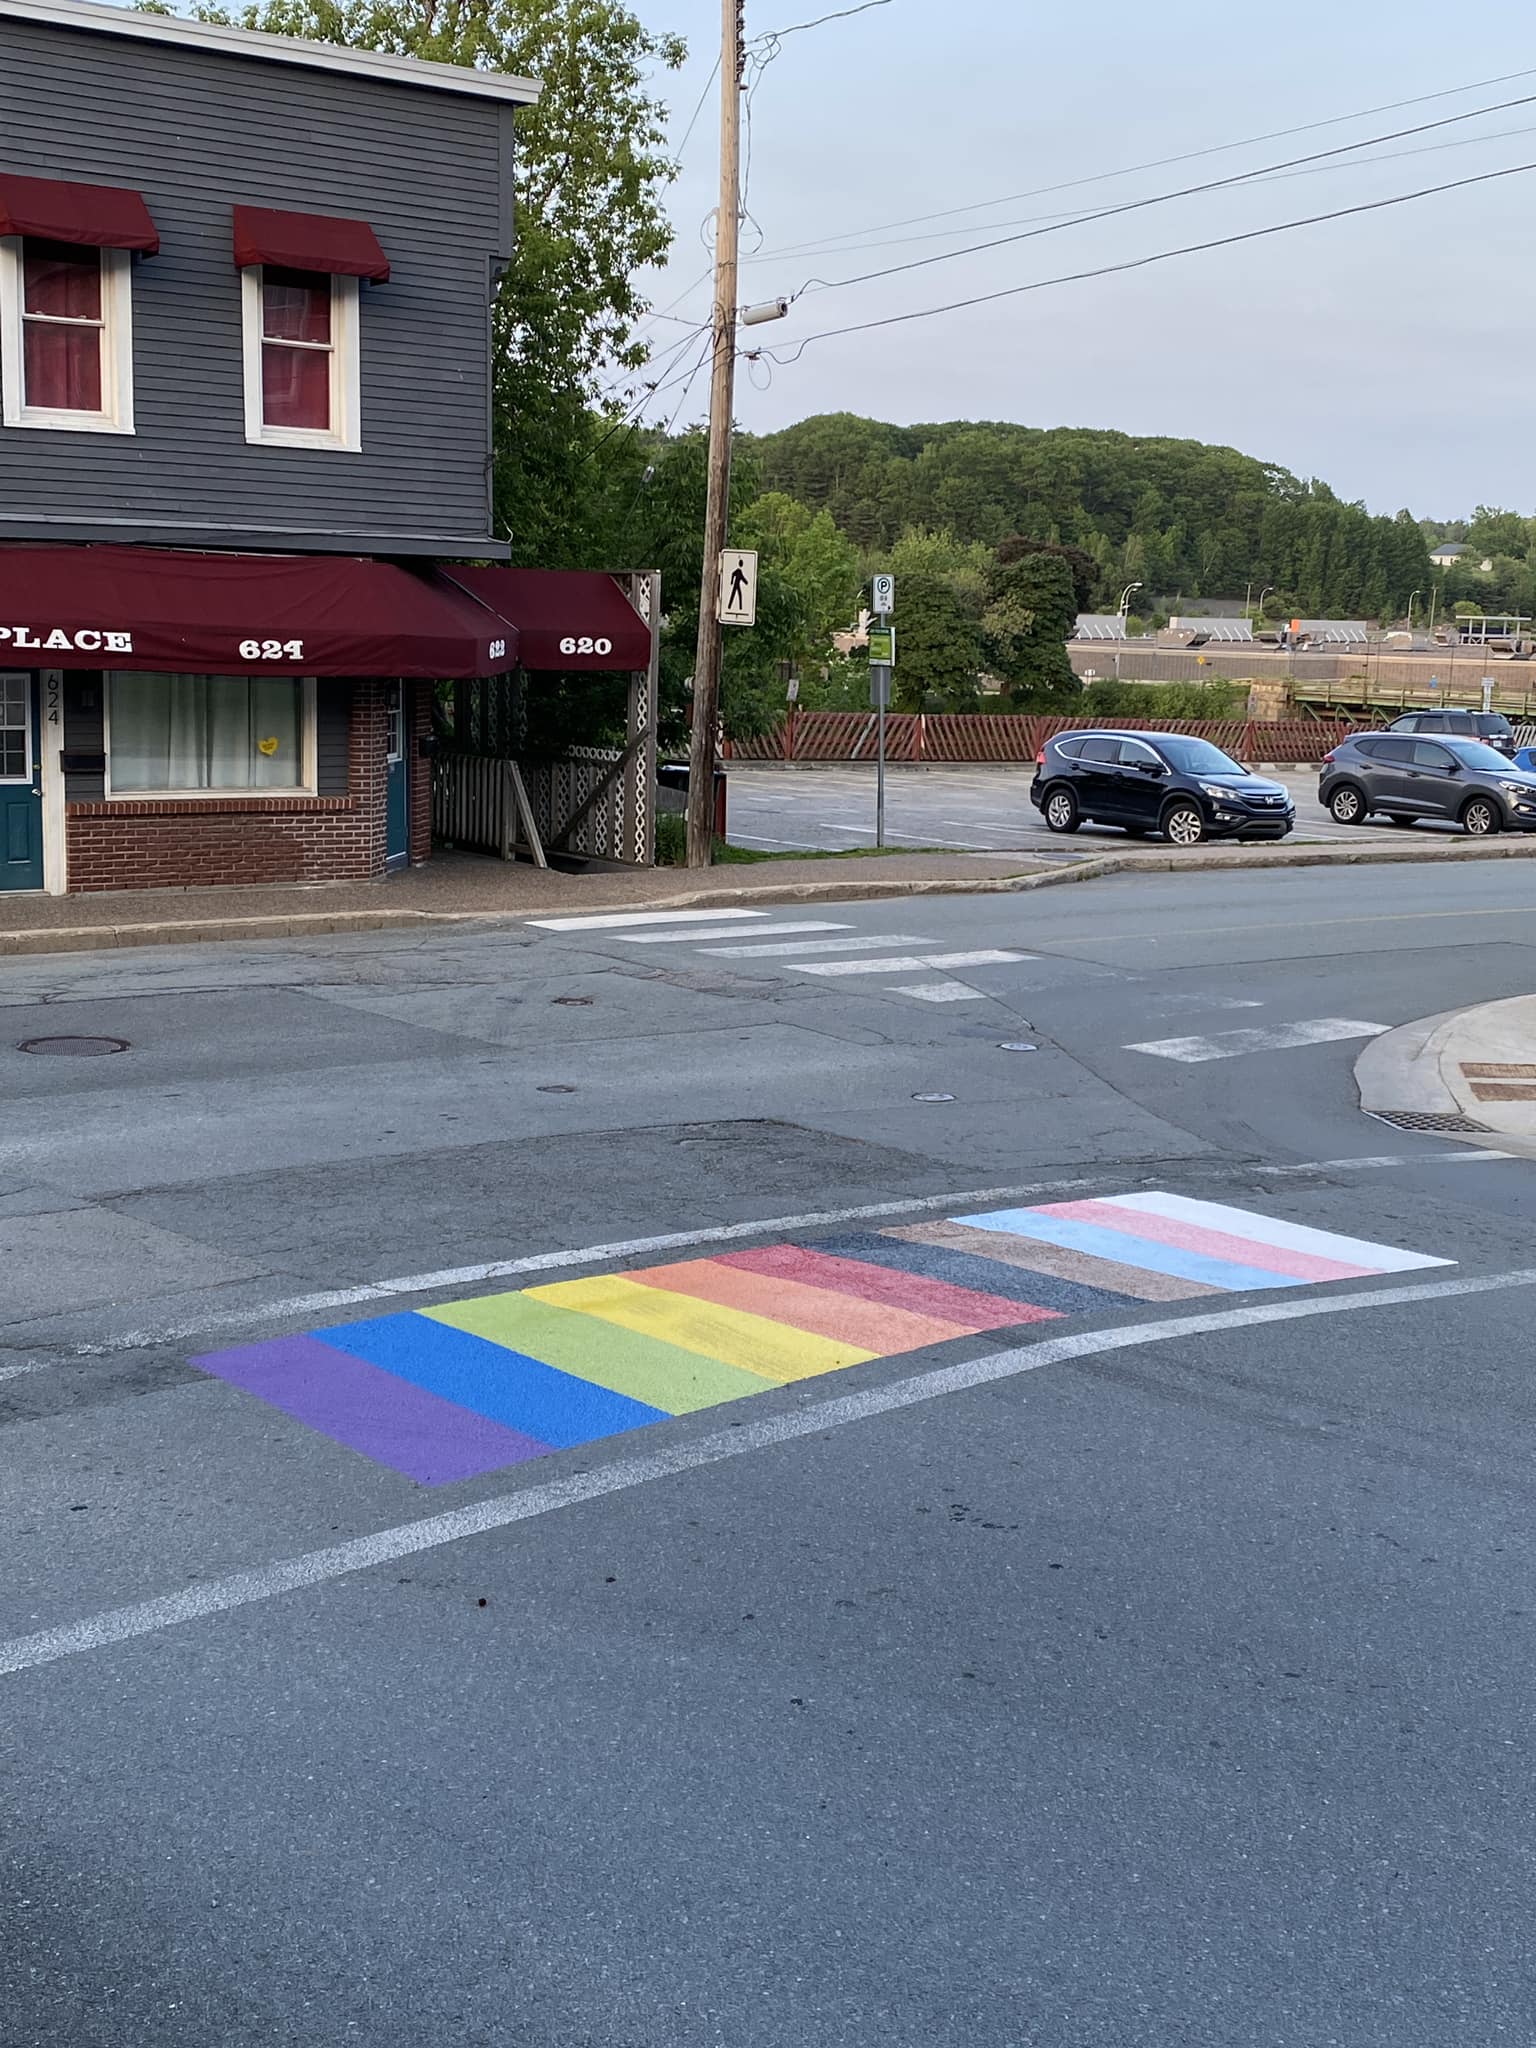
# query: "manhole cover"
(933, 1098)
(1016, 1045)
(573, 1002)
(555, 1088)
(70, 1048)
(1425, 1120)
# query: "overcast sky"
(1389, 354)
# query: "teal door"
(21, 801)
(397, 843)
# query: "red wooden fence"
(946, 737)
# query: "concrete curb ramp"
(1464, 1063)
(846, 887)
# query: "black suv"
(1492, 727)
(1155, 782)
(1406, 779)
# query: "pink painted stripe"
(1212, 1244)
(876, 1326)
(963, 1307)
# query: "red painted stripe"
(961, 1306)
(1214, 1244)
(875, 1326)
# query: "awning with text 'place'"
(565, 618)
(166, 609)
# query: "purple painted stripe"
(386, 1418)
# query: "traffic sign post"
(882, 659)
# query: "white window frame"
(116, 415)
(308, 744)
(346, 428)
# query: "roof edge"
(248, 42)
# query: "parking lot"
(772, 809)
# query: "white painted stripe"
(1228, 1045)
(618, 920)
(809, 1417)
(696, 937)
(907, 963)
(16, 1372)
(813, 945)
(940, 992)
(1275, 1231)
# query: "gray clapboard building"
(246, 365)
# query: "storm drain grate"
(1426, 1120)
(67, 1047)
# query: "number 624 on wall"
(271, 650)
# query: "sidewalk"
(1477, 1065)
(458, 888)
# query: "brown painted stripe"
(1036, 1257)
(1498, 1070)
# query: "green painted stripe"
(624, 1361)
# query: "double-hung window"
(301, 358)
(66, 313)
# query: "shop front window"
(194, 734)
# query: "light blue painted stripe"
(507, 1386)
(1076, 1236)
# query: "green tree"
(820, 565)
(1032, 604)
(591, 173)
(938, 649)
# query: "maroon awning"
(112, 607)
(93, 216)
(565, 618)
(308, 241)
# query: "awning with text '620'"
(570, 619)
(166, 609)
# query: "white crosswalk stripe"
(794, 948)
(612, 921)
(940, 992)
(695, 937)
(908, 963)
(1228, 1045)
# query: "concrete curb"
(1414, 1069)
(843, 889)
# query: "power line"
(1165, 162)
(1142, 262)
(773, 35)
(1163, 198)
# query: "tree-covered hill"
(1180, 517)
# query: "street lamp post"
(1411, 596)
(1125, 599)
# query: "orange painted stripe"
(872, 1325)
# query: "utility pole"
(706, 667)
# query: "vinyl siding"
(199, 132)
(333, 725)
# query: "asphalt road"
(774, 810)
(1158, 1672)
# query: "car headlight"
(1220, 792)
(1522, 792)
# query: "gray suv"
(1406, 778)
(1491, 726)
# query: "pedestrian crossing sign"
(737, 601)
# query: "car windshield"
(1476, 755)
(1195, 757)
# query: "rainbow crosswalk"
(447, 1393)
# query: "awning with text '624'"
(166, 609)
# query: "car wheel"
(1480, 816)
(1061, 812)
(1183, 824)
(1347, 805)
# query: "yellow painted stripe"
(733, 1335)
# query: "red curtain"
(61, 283)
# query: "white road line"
(1228, 1045)
(617, 920)
(812, 1417)
(797, 947)
(907, 963)
(695, 936)
(296, 1308)
(941, 992)
(16, 1372)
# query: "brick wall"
(186, 843)
(418, 769)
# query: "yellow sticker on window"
(266, 746)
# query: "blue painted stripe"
(1077, 1236)
(507, 1386)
